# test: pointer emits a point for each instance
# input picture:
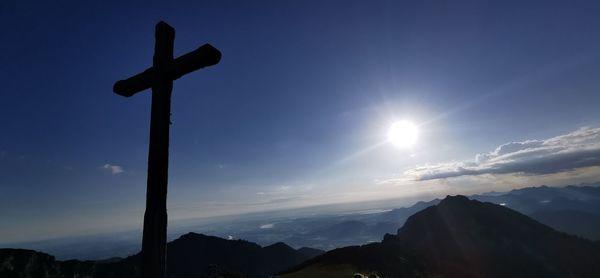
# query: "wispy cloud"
(114, 169)
(278, 191)
(283, 194)
(580, 148)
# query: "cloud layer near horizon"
(580, 148)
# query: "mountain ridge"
(191, 255)
(468, 238)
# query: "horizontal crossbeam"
(204, 56)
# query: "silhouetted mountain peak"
(490, 238)
(192, 241)
(427, 203)
(279, 247)
(458, 216)
(195, 236)
(190, 255)
(454, 200)
(460, 237)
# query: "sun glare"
(403, 134)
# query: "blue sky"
(297, 111)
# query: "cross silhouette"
(160, 78)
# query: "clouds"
(580, 148)
(114, 169)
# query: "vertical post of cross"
(155, 218)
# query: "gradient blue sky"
(297, 111)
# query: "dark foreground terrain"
(191, 255)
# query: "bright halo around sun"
(403, 134)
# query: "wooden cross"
(160, 78)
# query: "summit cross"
(165, 69)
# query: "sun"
(403, 134)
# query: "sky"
(504, 94)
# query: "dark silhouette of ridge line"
(460, 237)
(190, 255)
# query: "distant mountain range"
(571, 209)
(510, 234)
(463, 238)
(191, 255)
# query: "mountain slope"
(575, 222)
(464, 238)
(191, 255)
(26, 263)
(571, 209)
(487, 240)
(543, 198)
